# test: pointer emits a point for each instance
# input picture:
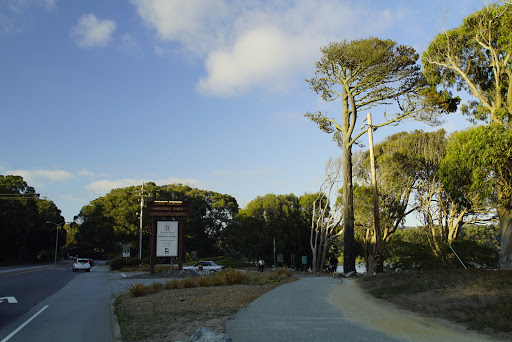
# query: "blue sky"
(96, 95)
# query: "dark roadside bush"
(117, 264)
(120, 263)
(475, 254)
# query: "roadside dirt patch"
(174, 315)
(385, 316)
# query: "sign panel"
(167, 209)
(166, 238)
(126, 251)
(168, 213)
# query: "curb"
(116, 330)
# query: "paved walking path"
(299, 311)
(325, 309)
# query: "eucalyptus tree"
(326, 215)
(362, 74)
(409, 168)
(476, 58)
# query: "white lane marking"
(10, 300)
(124, 275)
(23, 325)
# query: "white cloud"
(104, 186)
(13, 12)
(257, 44)
(19, 6)
(190, 23)
(40, 177)
(85, 173)
(93, 32)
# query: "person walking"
(261, 265)
(333, 264)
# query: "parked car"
(205, 266)
(82, 264)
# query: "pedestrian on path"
(261, 265)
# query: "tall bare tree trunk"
(349, 255)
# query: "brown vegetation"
(480, 300)
(175, 310)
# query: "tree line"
(28, 224)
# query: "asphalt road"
(56, 305)
(29, 287)
(299, 311)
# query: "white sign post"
(167, 238)
(126, 251)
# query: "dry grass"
(480, 300)
(182, 307)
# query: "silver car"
(208, 266)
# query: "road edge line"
(24, 324)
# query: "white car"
(209, 266)
(82, 264)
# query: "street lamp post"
(56, 237)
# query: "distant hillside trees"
(113, 219)
(25, 235)
(283, 218)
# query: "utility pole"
(141, 211)
(376, 240)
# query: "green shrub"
(229, 262)
(117, 264)
(476, 254)
(133, 262)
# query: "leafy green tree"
(96, 231)
(363, 74)
(479, 161)
(24, 234)
(115, 216)
(409, 249)
(476, 57)
(408, 168)
(279, 217)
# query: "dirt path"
(365, 309)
